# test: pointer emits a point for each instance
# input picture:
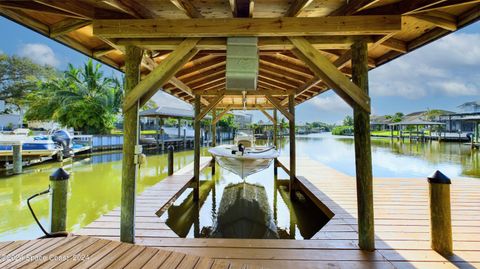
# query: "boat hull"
(253, 161)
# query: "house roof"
(417, 122)
(102, 30)
(169, 112)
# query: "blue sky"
(441, 75)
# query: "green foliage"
(170, 122)
(227, 121)
(348, 121)
(83, 99)
(342, 130)
(19, 77)
(150, 104)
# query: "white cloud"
(39, 53)
(331, 103)
(448, 67)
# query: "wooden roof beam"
(260, 92)
(329, 73)
(66, 26)
(297, 7)
(147, 87)
(284, 26)
(188, 8)
(264, 43)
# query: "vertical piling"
(170, 160)
(440, 214)
(17, 158)
(133, 56)
(59, 189)
(363, 153)
(293, 173)
(196, 152)
(214, 137)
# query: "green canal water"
(95, 185)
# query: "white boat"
(244, 158)
(34, 147)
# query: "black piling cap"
(171, 148)
(439, 178)
(59, 174)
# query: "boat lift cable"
(47, 234)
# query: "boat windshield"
(244, 132)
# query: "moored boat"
(244, 158)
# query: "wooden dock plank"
(401, 224)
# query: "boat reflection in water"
(245, 210)
(244, 213)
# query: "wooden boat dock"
(401, 228)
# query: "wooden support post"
(477, 132)
(184, 138)
(275, 128)
(17, 158)
(440, 214)
(170, 160)
(275, 143)
(214, 137)
(363, 153)
(59, 185)
(179, 128)
(196, 152)
(291, 109)
(133, 57)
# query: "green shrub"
(342, 130)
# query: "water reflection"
(392, 158)
(247, 209)
(95, 185)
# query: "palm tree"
(83, 99)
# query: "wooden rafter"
(187, 7)
(438, 5)
(66, 26)
(351, 7)
(305, 87)
(210, 106)
(284, 26)
(278, 106)
(438, 19)
(161, 74)
(131, 7)
(404, 7)
(297, 7)
(260, 107)
(184, 88)
(36, 7)
(329, 73)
